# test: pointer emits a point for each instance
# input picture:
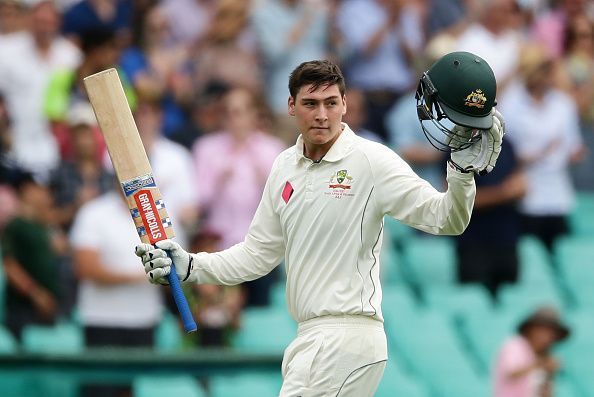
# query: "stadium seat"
(486, 332)
(61, 338)
(575, 256)
(535, 262)
(428, 344)
(248, 385)
(564, 387)
(157, 386)
(581, 219)
(458, 300)
(397, 231)
(431, 261)
(278, 297)
(265, 330)
(168, 336)
(2, 290)
(8, 343)
(522, 299)
(395, 383)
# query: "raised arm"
(260, 252)
(408, 198)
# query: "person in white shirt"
(322, 211)
(546, 148)
(27, 60)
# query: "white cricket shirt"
(326, 219)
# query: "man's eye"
(333, 103)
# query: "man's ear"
(344, 110)
(291, 105)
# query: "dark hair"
(91, 39)
(317, 73)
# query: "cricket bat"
(134, 171)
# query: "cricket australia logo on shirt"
(340, 184)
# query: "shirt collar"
(337, 152)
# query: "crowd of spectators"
(207, 81)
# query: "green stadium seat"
(265, 330)
(581, 219)
(168, 336)
(470, 385)
(564, 387)
(458, 300)
(575, 257)
(431, 261)
(391, 271)
(2, 290)
(522, 299)
(398, 301)
(61, 338)
(428, 344)
(397, 231)
(535, 262)
(395, 383)
(8, 343)
(486, 332)
(278, 297)
(248, 385)
(157, 386)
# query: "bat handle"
(180, 300)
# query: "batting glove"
(482, 155)
(157, 264)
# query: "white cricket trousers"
(335, 356)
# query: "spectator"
(382, 37)
(288, 32)
(227, 53)
(172, 167)
(549, 28)
(231, 168)
(83, 177)
(488, 249)
(205, 115)
(30, 256)
(407, 139)
(525, 365)
(27, 60)
(547, 139)
(11, 17)
(108, 15)
(356, 117)
(219, 307)
(155, 66)
(116, 306)
(8, 169)
(495, 38)
(188, 19)
(578, 80)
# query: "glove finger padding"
(159, 275)
(156, 263)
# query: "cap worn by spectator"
(545, 317)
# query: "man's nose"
(321, 114)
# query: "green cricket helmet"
(459, 89)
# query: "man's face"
(318, 113)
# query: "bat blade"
(133, 170)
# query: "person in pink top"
(231, 167)
(525, 366)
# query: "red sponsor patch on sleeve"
(287, 192)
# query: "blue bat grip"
(180, 300)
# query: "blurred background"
(207, 81)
